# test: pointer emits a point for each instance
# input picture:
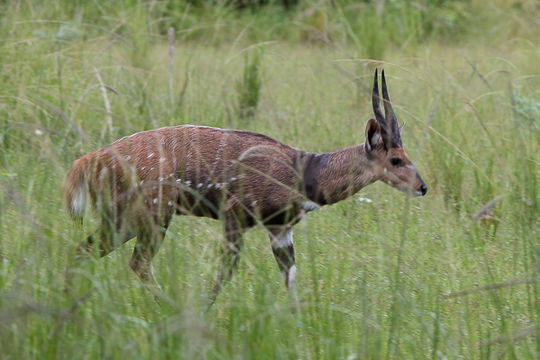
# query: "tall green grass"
(442, 276)
(248, 86)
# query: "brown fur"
(149, 163)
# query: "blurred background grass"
(450, 275)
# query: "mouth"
(420, 191)
(415, 193)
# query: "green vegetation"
(248, 87)
(443, 276)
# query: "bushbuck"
(243, 178)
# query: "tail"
(75, 186)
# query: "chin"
(414, 193)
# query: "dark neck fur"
(334, 176)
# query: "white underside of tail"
(78, 203)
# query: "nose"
(423, 189)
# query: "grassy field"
(454, 274)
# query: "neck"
(336, 175)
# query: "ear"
(373, 135)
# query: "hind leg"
(149, 238)
(147, 245)
(107, 238)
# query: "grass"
(249, 86)
(435, 277)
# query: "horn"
(385, 130)
(390, 115)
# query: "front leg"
(281, 240)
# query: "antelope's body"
(242, 178)
(192, 170)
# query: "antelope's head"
(384, 148)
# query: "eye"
(395, 161)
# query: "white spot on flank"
(144, 167)
(363, 199)
(154, 201)
(385, 171)
(38, 132)
(188, 182)
(150, 155)
(309, 205)
(233, 179)
(169, 203)
(178, 181)
(284, 239)
(199, 185)
(151, 168)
